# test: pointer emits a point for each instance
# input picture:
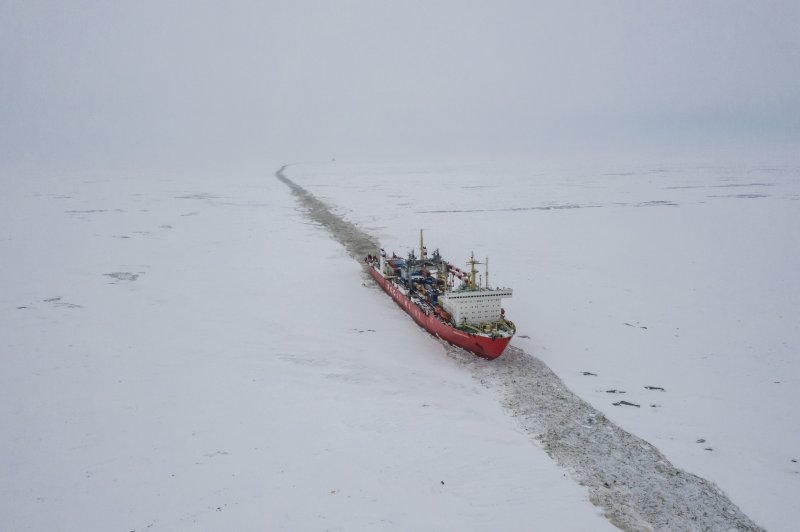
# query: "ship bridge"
(475, 307)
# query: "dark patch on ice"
(165, 227)
(709, 449)
(727, 185)
(733, 185)
(217, 453)
(740, 196)
(302, 360)
(514, 209)
(615, 391)
(655, 203)
(58, 302)
(635, 326)
(625, 403)
(659, 388)
(701, 440)
(242, 204)
(20, 308)
(589, 373)
(191, 213)
(123, 276)
(120, 236)
(200, 196)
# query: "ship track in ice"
(635, 484)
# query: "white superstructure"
(475, 307)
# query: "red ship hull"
(482, 346)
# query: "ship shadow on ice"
(634, 483)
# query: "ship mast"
(487, 272)
(421, 247)
(473, 271)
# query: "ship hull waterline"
(482, 346)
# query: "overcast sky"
(160, 83)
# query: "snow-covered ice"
(186, 352)
(191, 352)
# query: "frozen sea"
(190, 352)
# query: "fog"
(161, 85)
